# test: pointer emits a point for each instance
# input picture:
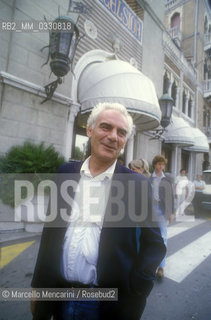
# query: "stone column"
(130, 148)
(174, 161)
(179, 156)
(74, 109)
(191, 167)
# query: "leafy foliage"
(27, 162)
(31, 158)
(78, 154)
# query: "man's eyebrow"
(105, 123)
(123, 131)
(110, 125)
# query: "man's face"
(159, 166)
(108, 136)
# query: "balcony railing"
(176, 54)
(175, 33)
(170, 4)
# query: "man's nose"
(113, 135)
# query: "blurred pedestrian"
(181, 192)
(163, 201)
(199, 185)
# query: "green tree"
(78, 154)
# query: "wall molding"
(19, 83)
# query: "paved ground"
(184, 294)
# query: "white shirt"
(199, 185)
(155, 184)
(181, 183)
(81, 242)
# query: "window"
(166, 83)
(190, 105)
(175, 26)
(184, 102)
(175, 20)
(80, 148)
(206, 163)
(205, 25)
(174, 92)
(167, 153)
(185, 159)
(204, 118)
(208, 119)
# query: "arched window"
(175, 20)
(175, 27)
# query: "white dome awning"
(179, 132)
(200, 141)
(118, 81)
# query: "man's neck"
(97, 167)
(158, 173)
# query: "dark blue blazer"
(120, 263)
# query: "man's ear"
(89, 131)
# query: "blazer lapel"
(113, 216)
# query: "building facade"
(129, 51)
(184, 79)
(206, 120)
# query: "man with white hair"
(98, 247)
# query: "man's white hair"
(100, 107)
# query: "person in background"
(163, 201)
(140, 166)
(199, 185)
(181, 192)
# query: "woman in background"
(140, 166)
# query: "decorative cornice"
(172, 5)
(30, 87)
